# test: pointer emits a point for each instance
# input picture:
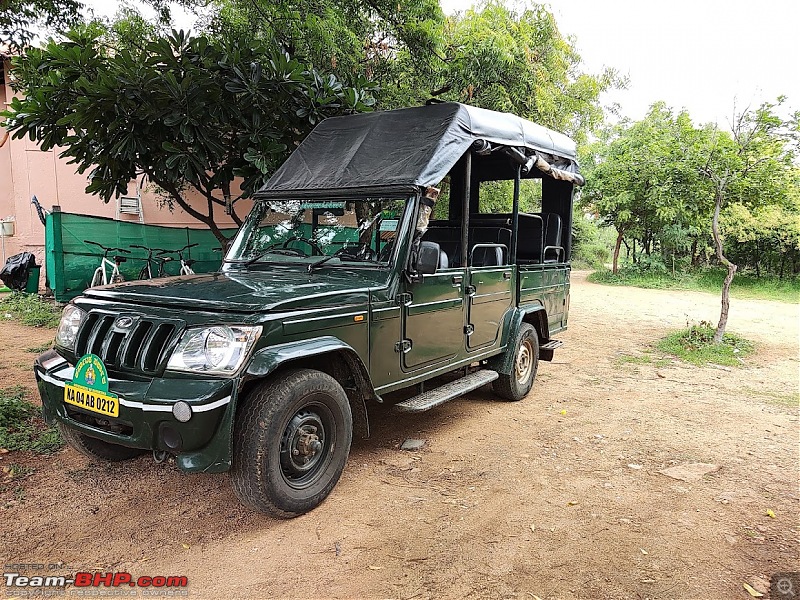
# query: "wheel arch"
(326, 354)
(535, 316)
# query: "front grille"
(127, 343)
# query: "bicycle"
(186, 264)
(147, 270)
(100, 276)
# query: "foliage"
(766, 238)
(20, 426)
(590, 242)
(519, 62)
(650, 180)
(187, 112)
(378, 41)
(639, 181)
(30, 310)
(20, 18)
(696, 345)
(703, 280)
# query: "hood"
(249, 291)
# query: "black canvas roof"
(410, 146)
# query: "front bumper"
(204, 443)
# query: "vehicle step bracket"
(552, 345)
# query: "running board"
(449, 391)
(546, 350)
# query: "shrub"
(29, 309)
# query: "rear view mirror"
(427, 258)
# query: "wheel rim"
(523, 365)
(305, 445)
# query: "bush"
(29, 309)
(695, 345)
(591, 244)
(20, 426)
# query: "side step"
(449, 391)
(546, 350)
(552, 345)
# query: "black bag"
(15, 272)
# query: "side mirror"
(427, 258)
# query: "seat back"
(487, 256)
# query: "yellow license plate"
(91, 400)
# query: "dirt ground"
(558, 496)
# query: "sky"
(708, 56)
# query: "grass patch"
(629, 359)
(29, 309)
(13, 472)
(705, 280)
(39, 349)
(21, 427)
(792, 400)
(695, 345)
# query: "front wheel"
(293, 438)
(518, 383)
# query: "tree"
(639, 182)
(392, 44)
(519, 62)
(186, 112)
(752, 164)
(19, 19)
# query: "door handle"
(457, 279)
(471, 290)
(506, 275)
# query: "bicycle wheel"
(144, 273)
(97, 278)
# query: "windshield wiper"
(261, 255)
(350, 257)
(320, 262)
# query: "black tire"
(144, 274)
(515, 387)
(98, 450)
(292, 440)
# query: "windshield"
(354, 231)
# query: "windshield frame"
(402, 194)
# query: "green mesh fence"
(70, 261)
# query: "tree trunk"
(726, 285)
(695, 255)
(615, 262)
(208, 220)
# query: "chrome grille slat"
(142, 347)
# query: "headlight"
(67, 332)
(214, 350)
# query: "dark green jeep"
(372, 261)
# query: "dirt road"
(558, 496)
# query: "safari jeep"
(373, 260)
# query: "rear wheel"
(518, 383)
(293, 438)
(98, 450)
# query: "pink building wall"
(26, 170)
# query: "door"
(489, 297)
(433, 319)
